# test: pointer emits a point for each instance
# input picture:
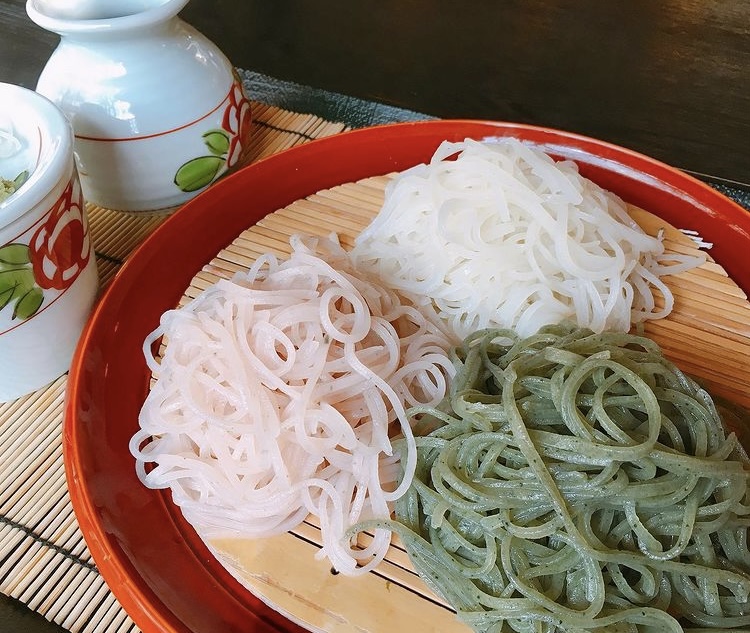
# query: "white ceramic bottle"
(157, 110)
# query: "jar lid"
(36, 149)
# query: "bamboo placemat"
(709, 343)
(44, 561)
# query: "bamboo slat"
(707, 334)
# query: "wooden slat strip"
(77, 601)
(53, 571)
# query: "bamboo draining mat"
(44, 561)
(707, 334)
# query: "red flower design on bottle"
(237, 122)
(60, 248)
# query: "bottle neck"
(84, 19)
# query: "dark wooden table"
(670, 79)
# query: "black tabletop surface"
(668, 78)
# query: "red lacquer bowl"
(157, 567)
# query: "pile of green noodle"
(578, 482)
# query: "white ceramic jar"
(48, 275)
(157, 109)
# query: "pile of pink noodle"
(277, 394)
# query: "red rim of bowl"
(158, 569)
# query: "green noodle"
(578, 482)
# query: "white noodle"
(500, 235)
(275, 395)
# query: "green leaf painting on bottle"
(198, 172)
(224, 145)
(217, 141)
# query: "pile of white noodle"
(503, 236)
(274, 398)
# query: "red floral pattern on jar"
(60, 248)
(237, 122)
